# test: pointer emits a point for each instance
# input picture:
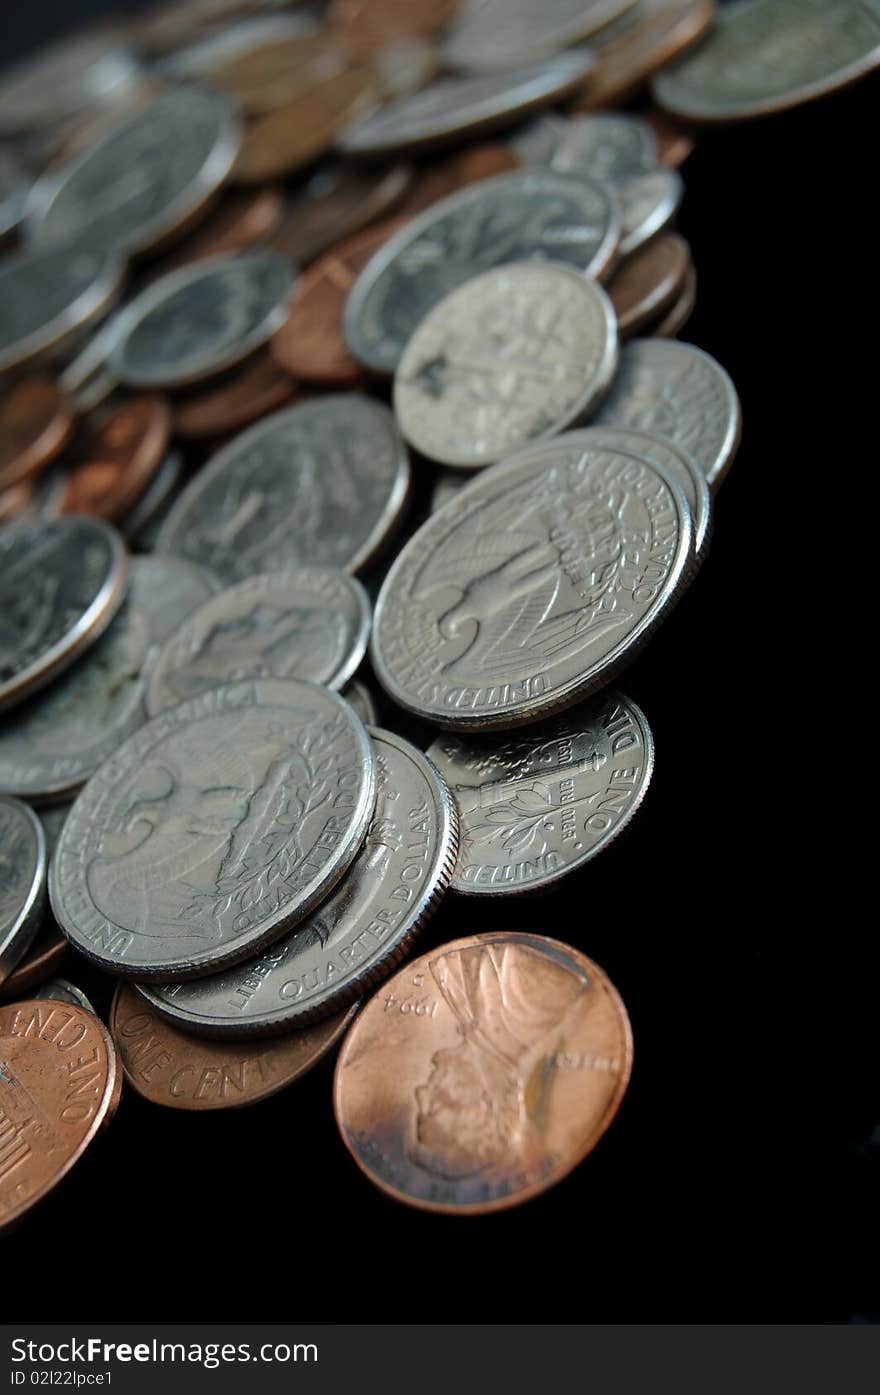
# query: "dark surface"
(736, 1183)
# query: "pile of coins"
(383, 289)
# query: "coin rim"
(18, 938)
(577, 30)
(91, 303)
(661, 215)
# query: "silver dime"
(322, 483)
(51, 747)
(308, 622)
(539, 804)
(677, 391)
(357, 936)
(22, 880)
(64, 81)
(456, 107)
(533, 588)
(648, 203)
(512, 356)
(492, 34)
(47, 299)
(214, 829)
(61, 583)
(678, 464)
(361, 699)
(610, 146)
(764, 56)
(142, 180)
(59, 990)
(512, 217)
(446, 486)
(202, 319)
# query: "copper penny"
(624, 65)
(483, 1072)
(276, 73)
(114, 458)
(295, 134)
(674, 142)
(59, 1083)
(257, 389)
(676, 317)
(15, 500)
(170, 1067)
(311, 343)
(647, 282)
(36, 421)
(241, 220)
(441, 178)
(335, 204)
(375, 24)
(48, 951)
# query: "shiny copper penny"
(311, 343)
(647, 282)
(674, 142)
(295, 134)
(255, 390)
(36, 421)
(673, 320)
(441, 178)
(335, 204)
(114, 457)
(366, 25)
(45, 955)
(276, 73)
(59, 1083)
(241, 220)
(169, 1067)
(624, 65)
(483, 1072)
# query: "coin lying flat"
(51, 747)
(215, 828)
(676, 316)
(295, 135)
(200, 320)
(533, 588)
(144, 179)
(544, 802)
(335, 203)
(270, 74)
(238, 222)
(63, 80)
(647, 203)
(368, 24)
(36, 422)
(46, 299)
(249, 393)
(307, 623)
(357, 936)
(60, 990)
(169, 1067)
(441, 178)
(61, 583)
(493, 34)
(47, 953)
(60, 1082)
(536, 213)
(660, 33)
(512, 356)
(764, 56)
(646, 283)
(114, 457)
(679, 392)
(321, 483)
(458, 108)
(483, 1072)
(22, 881)
(608, 146)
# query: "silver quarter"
(679, 392)
(319, 484)
(214, 829)
(764, 56)
(456, 107)
(196, 322)
(142, 180)
(533, 588)
(47, 299)
(356, 937)
(59, 990)
(676, 461)
(543, 802)
(22, 880)
(493, 34)
(510, 218)
(648, 204)
(51, 747)
(513, 356)
(308, 623)
(358, 696)
(61, 583)
(64, 80)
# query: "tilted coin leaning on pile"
(342, 411)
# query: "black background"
(738, 1181)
